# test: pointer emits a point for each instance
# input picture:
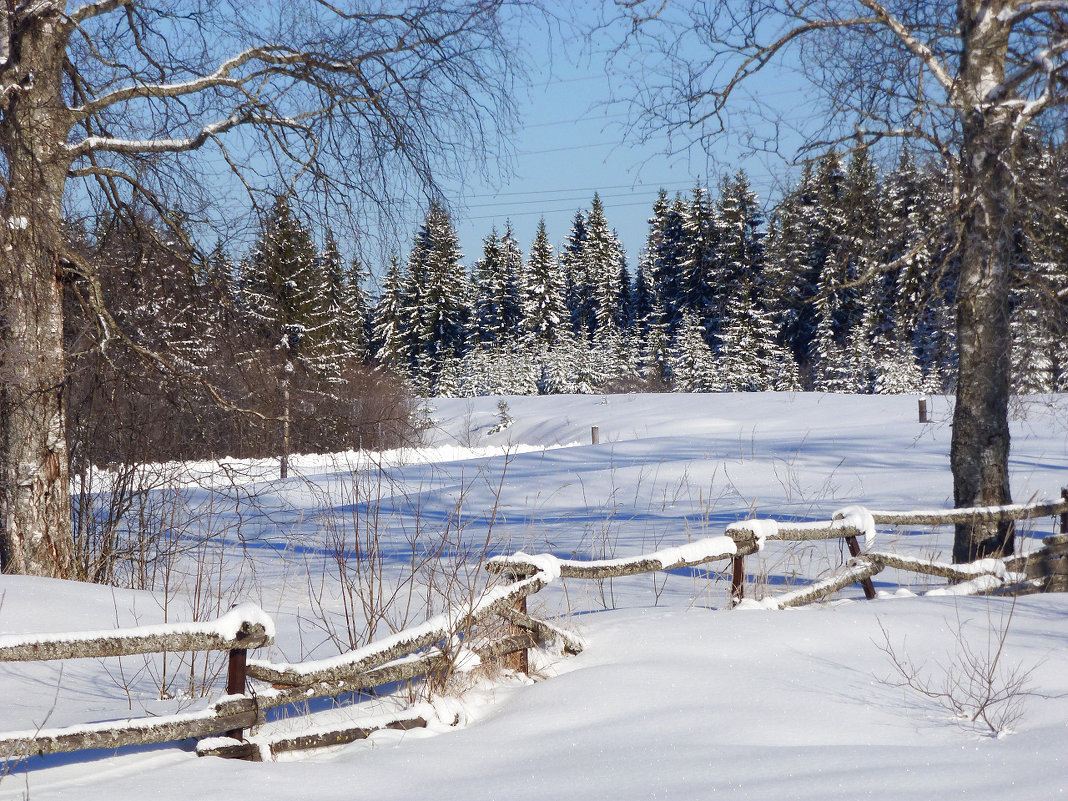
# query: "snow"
(103, 726)
(860, 518)
(545, 562)
(229, 625)
(978, 584)
(694, 552)
(763, 530)
(677, 556)
(675, 695)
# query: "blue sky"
(571, 142)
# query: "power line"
(577, 119)
(645, 184)
(580, 198)
(568, 147)
(621, 114)
(557, 211)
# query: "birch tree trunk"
(35, 525)
(979, 453)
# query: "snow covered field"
(674, 696)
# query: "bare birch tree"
(969, 79)
(120, 104)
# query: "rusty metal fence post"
(235, 681)
(737, 579)
(854, 551)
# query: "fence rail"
(424, 650)
(243, 627)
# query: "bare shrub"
(388, 566)
(975, 681)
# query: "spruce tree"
(641, 303)
(437, 301)
(346, 302)
(701, 286)
(668, 252)
(356, 315)
(286, 293)
(601, 256)
(544, 315)
(511, 293)
(391, 330)
(796, 249)
(578, 293)
(487, 275)
(739, 249)
(693, 366)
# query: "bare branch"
(208, 132)
(1027, 10)
(914, 46)
(97, 9)
(765, 54)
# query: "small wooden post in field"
(923, 411)
(854, 551)
(1064, 515)
(595, 435)
(235, 681)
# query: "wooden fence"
(432, 647)
(237, 631)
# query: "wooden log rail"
(690, 555)
(853, 572)
(232, 713)
(388, 661)
(983, 514)
(750, 535)
(243, 627)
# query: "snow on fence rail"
(349, 666)
(849, 523)
(689, 555)
(243, 627)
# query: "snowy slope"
(673, 697)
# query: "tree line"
(847, 284)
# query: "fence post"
(923, 411)
(854, 551)
(737, 579)
(595, 435)
(520, 660)
(1064, 514)
(235, 681)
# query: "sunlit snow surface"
(674, 697)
